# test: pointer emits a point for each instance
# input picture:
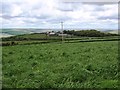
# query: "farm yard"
(56, 65)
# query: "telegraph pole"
(62, 30)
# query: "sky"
(49, 13)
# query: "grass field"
(67, 65)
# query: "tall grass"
(67, 65)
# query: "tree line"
(88, 33)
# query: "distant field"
(38, 38)
(67, 65)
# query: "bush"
(9, 43)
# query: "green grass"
(32, 36)
(67, 65)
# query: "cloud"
(96, 1)
(108, 17)
(49, 13)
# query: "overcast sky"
(49, 14)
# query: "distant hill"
(5, 35)
(16, 31)
(112, 31)
(13, 32)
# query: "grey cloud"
(28, 21)
(99, 3)
(65, 10)
(42, 17)
(99, 9)
(108, 17)
(6, 16)
(90, 0)
(10, 17)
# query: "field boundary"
(12, 43)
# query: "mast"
(62, 30)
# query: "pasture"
(55, 65)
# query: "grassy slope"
(32, 36)
(74, 65)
